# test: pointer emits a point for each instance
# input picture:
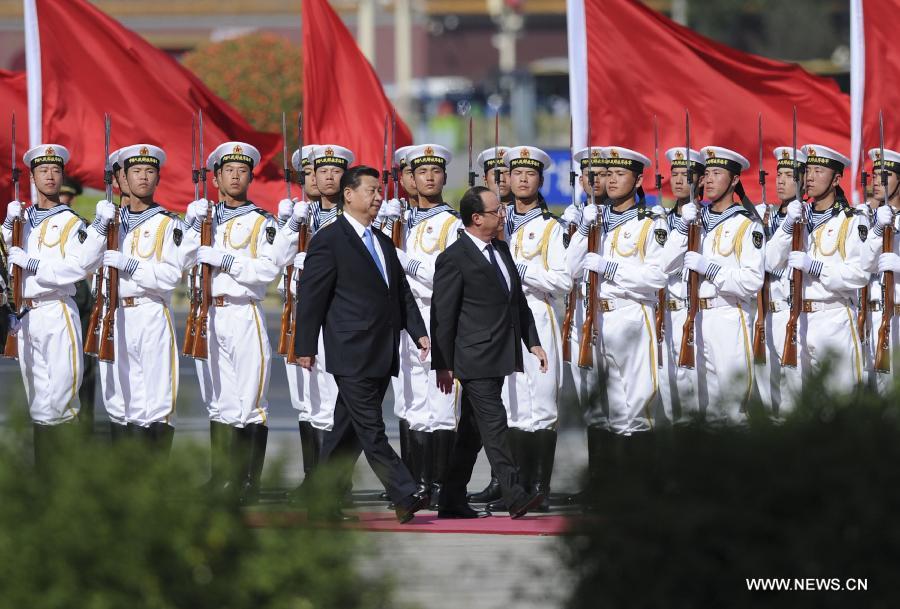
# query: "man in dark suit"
(354, 288)
(478, 317)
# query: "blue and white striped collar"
(131, 220)
(515, 221)
(420, 215)
(36, 215)
(322, 217)
(815, 219)
(612, 220)
(225, 213)
(712, 219)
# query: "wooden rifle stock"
(588, 329)
(397, 232)
(187, 349)
(759, 328)
(569, 319)
(686, 355)
(789, 355)
(302, 245)
(108, 331)
(883, 349)
(92, 337)
(286, 312)
(11, 348)
(862, 315)
(201, 327)
(660, 325)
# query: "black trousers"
(482, 420)
(359, 427)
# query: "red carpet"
(426, 523)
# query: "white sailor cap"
(301, 157)
(492, 158)
(784, 156)
(676, 158)
(114, 159)
(141, 154)
(211, 162)
(428, 154)
(400, 155)
(46, 154)
(331, 154)
(236, 152)
(825, 157)
(528, 157)
(891, 160)
(593, 156)
(716, 156)
(616, 156)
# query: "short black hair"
(471, 203)
(352, 178)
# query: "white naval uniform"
(732, 242)
(49, 340)
(417, 397)
(580, 378)
(234, 379)
(870, 250)
(777, 385)
(833, 241)
(313, 392)
(625, 351)
(537, 244)
(140, 387)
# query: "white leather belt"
(224, 301)
(134, 301)
(777, 306)
(812, 306)
(611, 304)
(36, 303)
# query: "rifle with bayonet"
(187, 348)
(502, 232)
(201, 326)
(589, 336)
(789, 354)
(661, 295)
(572, 297)
(883, 348)
(686, 354)
(284, 334)
(302, 245)
(764, 296)
(108, 329)
(11, 348)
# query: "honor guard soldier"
(430, 414)
(537, 242)
(730, 268)
(677, 388)
(629, 261)
(301, 164)
(829, 260)
(49, 336)
(234, 379)
(777, 384)
(490, 160)
(141, 384)
(392, 209)
(314, 391)
(880, 260)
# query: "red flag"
(637, 63)
(343, 101)
(881, 68)
(91, 64)
(13, 99)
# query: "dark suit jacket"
(342, 292)
(475, 327)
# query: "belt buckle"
(606, 306)
(808, 306)
(219, 301)
(128, 301)
(672, 305)
(705, 303)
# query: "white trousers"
(50, 352)
(234, 379)
(678, 386)
(141, 386)
(530, 396)
(831, 336)
(778, 385)
(882, 381)
(425, 406)
(313, 392)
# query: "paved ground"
(432, 571)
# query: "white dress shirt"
(360, 230)
(482, 247)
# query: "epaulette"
(172, 214)
(264, 213)
(79, 216)
(453, 212)
(546, 214)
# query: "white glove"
(696, 262)
(392, 208)
(285, 206)
(689, 212)
(197, 209)
(13, 210)
(299, 259)
(18, 257)
(888, 262)
(594, 263)
(589, 214)
(106, 211)
(300, 211)
(571, 215)
(793, 212)
(210, 255)
(884, 215)
(800, 261)
(116, 259)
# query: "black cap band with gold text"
(617, 161)
(732, 166)
(491, 164)
(330, 159)
(48, 159)
(236, 157)
(526, 162)
(825, 162)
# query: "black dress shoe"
(414, 503)
(496, 506)
(528, 503)
(461, 513)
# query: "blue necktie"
(496, 265)
(370, 245)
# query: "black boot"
(421, 450)
(603, 451)
(161, 436)
(491, 492)
(258, 434)
(545, 441)
(238, 461)
(310, 447)
(516, 439)
(117, 433)
(444, 439)
(219, 441)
